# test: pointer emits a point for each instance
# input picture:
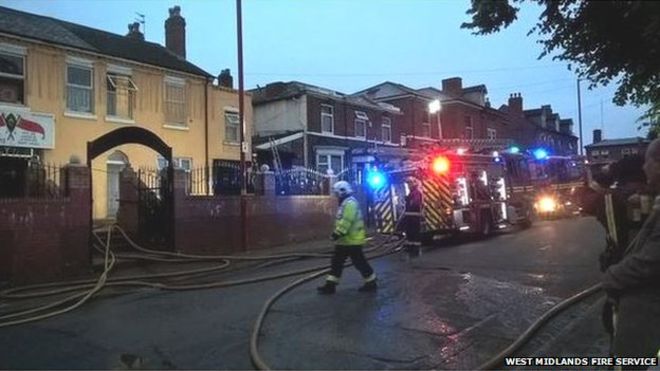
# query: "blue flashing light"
(376, 179)
(514, 150)
(540, 154)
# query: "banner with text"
(26, 129)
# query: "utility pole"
(580, 116)
(241, 118)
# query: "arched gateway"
(156, 199)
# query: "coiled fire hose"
(95, 286)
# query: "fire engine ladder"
(277, 163)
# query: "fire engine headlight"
(547, 204)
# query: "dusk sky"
(349, 45)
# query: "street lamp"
(435, 107)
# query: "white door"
(113, 189)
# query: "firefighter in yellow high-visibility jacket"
(349, 236)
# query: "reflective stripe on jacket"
(349, 223)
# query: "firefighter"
(618, 199)
(349, 236)
(413, 217)
(479, 190)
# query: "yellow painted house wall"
(45, 92)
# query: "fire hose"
(94, 286)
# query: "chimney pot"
(175, 11)
(134, 31)
(598, 136)
(516, 104)
(175, 32)
(225, 79)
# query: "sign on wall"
(26, 129)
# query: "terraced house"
(64, 84)
(319, 128)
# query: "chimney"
(453, 86)
(598, 136)
(275, 88)
(134, 31)
(225, 79)
(516, 104)
(175, 32)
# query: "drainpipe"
(414, 100)
(305, 139)
(206, 134)
(347, 141)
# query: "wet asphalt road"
(452, 308)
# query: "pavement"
(454, 307)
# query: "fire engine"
(461, 191)
(550, 182)
(476, 192)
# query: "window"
(604, 153)
(469, 131)
(360, 128)
(386, 129)
(634, 151)
(327, 119)
(426, 129)
(492, 133)
(12, 78)
(232, 127)
(175, 101)
(329, 160)
(184, 163)
(625, 151)
(121, 95)
(79, 88)
(361, 115)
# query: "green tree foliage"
(651, 120)
(604, 40)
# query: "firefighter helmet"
(342, 188)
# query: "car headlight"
(547, 204)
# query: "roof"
(285, 90)
(476, 88)
(283, 138)
(618, 142)
(389, 89)
(58, 32)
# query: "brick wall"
(211, 224)
(46, 239)
(127, 214)
(344, 118)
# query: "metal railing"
(223, 178)
(35, 180)
(301, 181)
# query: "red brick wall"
(211, 224)
(46, 239)
(127, 215)
(344, 118)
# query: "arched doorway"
(156, 205)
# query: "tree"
(651, 120)
(605, 40)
